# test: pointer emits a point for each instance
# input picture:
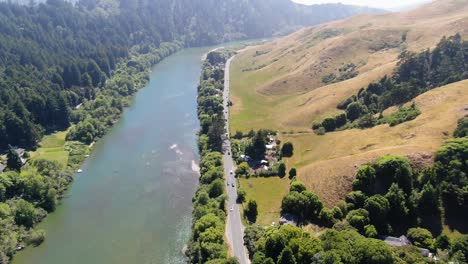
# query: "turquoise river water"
(132, 203)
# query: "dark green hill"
(54, 55)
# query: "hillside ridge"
(282, 85)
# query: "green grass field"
(251, 110)
(52, 148)
(268, 193)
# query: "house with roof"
(404, 241)
(396, 241)
(2, 168)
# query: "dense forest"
(56, 55)
(416, 73)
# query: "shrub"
(370, 231)
(356, 198)
(36, 237)
(344, 104)
(420, 237)
(238, 135)
(365, 179)
(462, 128)
(287, 150)
(25, 213)
(442, 242)
(282, 169)
(366, 121)
(292, 173)
(460, 247)
(251, 211)
(316, 125)
(358, 218)
(216, 188)
(329, 124)
(320, 131)
(403, 114)
(326, 217)
(243, 170)
(355, 110)
(329, 78)
(297, 186)
(340, 120)
(241, 193)
(378, 208)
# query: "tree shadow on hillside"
(432, 223)
(456, 221)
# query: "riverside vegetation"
(207, 243)
(76, 65)
(28, 193)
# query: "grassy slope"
(52, 147)
(328, 163)
(287, 94)
(268, 193)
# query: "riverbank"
(132, 202)
(53, 164)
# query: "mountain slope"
(292, 82)
(55, 55)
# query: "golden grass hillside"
(279, 86)
(327, 164)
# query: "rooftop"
(19, 151)
(396, 241)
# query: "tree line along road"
(234, 226)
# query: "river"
(132, 203)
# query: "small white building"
(396, 241)
(19, 151)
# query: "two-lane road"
(234, 227)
